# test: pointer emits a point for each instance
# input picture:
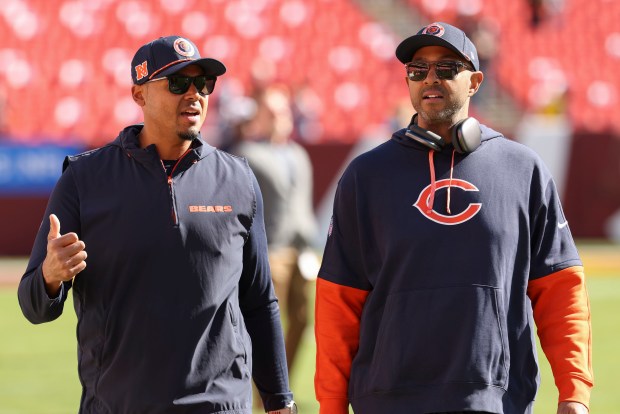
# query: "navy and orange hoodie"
(437, 265)
(176, 296)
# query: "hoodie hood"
(401, 138)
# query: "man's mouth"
(192, 115)
(432, 96)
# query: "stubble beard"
(188, 135)
(441, 116)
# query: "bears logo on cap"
(434, 29)
(183, 47)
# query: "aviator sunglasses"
(179, 84)
(445, 70)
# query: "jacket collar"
(128, 141)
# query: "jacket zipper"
(174, 215)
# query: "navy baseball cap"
(168, 55)
(439, 34)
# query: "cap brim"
(407, 48)
(210, 66)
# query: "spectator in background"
(544, 10)
(307, 109)
(284, 173)
(485, 34)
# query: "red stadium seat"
(298, 36)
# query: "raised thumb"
(54, 227)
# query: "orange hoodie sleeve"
(338, 312)
(562, 314)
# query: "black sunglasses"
(445, 70)
(179, 84)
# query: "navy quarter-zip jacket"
(176, 297)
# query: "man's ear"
(137, 93)
(474, 82)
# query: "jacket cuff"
(334, 406)
(575, 389)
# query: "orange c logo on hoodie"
(423, 203)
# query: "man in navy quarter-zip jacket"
(175, 305)
(447, 243)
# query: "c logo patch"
(422, 203)
(183, 47)
(434, 29)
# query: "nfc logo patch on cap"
(183, 47)
(434, 29)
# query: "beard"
(188, 135)
(441, 116)
(447, 114)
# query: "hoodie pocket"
(442, 335)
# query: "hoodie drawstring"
(450, 183)
(431, 164)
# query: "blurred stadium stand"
(65, 78)
(70, 59)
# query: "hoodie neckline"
(401, 138)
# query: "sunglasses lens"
(417, 72)
(180, 84)
(204, 84)
(446, 71)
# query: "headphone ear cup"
(427, 138)
(466, 135)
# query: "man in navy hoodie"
(447, 243)
(176, 309)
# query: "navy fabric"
(439, 34)
(176, 297)
(447, 324)
(168, 55)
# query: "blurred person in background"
(447, 247)
(284, 173)
(176, 308)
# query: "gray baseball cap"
(439, 34)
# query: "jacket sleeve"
(341, 292)
(262, 316)
(562, 314)
(35, 304)
(337, 330)
(558, 294)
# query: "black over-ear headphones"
(465, 135)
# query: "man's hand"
(65, 257)
(571, 407)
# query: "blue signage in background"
(31, 170)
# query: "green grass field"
(38, 368)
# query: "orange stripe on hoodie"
(562, 314)
(338, 311)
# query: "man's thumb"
(54, 227)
